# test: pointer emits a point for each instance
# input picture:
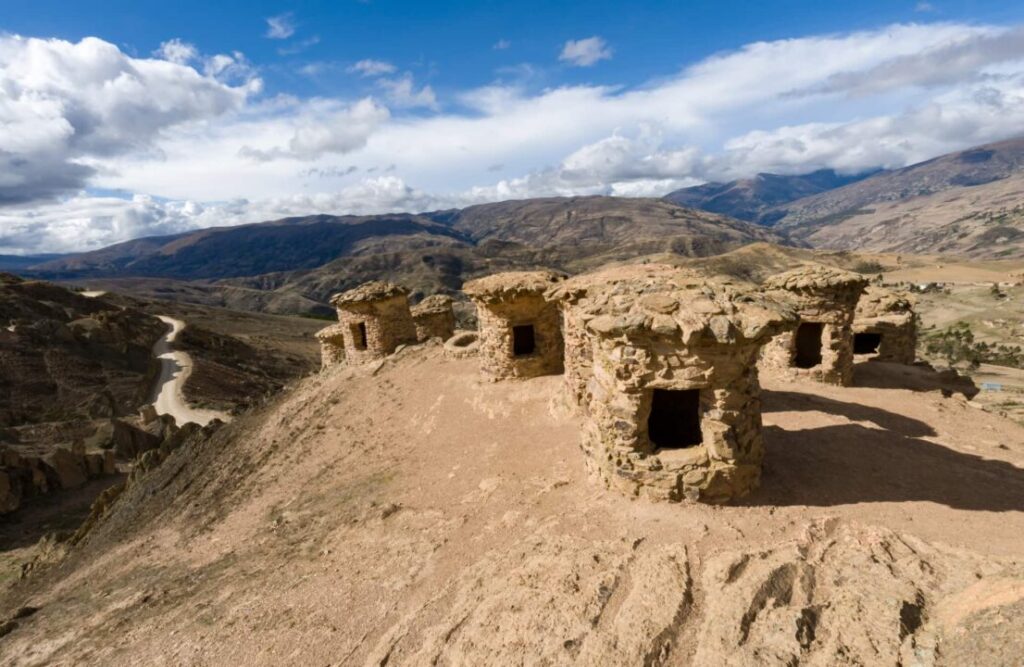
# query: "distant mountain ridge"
(18, 262)
(967, 203)
(759, 199)
(554, 232)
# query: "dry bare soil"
(411, 514)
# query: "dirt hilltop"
(407, 512)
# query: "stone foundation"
(461, 345)
(434, 318)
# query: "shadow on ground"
(791, 401)
(917, 377)
(60, 512)
(889, 462)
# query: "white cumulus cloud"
(402, 92)
(325, 127)
(64, 104)
(177, 51)
(210, 151)
(370, 67)
(585, 52)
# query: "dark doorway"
(523, 340)
(808, 344)
(866, 343)
(359, 335)
(674, 421)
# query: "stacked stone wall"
(724, 466)
(889, 314)
(332, 345)
(496, 321)
(578, 358)
(388, 324)
(835, 313)
(434, 318)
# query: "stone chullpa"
(662, 364)
(374, 320)
(434, 318)
(820, 347)
(520, 332)
(885, 326)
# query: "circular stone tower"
(520, 334)
(821, 345)
(434, 318)
(375, 319)
(666, 372)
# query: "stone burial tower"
(374, 319)
(332, 345)
(821, 346)
(520, 336)
(434, 318)
(663, 363)
(884, 326)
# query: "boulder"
(68, 468)
(131, 438)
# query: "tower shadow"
(855, 463)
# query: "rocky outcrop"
(28, 470)
(55, 547)
(66, 356)
(133, 437)
(842, 593)
(849, 594)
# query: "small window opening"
(674, 422)
(359, 335)
(523, 340)
(866, 343)
(808, 344)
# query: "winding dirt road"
(175, 367)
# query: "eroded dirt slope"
(412, 514)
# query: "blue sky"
(139, 118)
(450, 44)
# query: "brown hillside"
(409, 514)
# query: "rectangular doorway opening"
(866, 343)
(523, 340)
(808, 344)
(358, 335)
(674, 422)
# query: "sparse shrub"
(868, 267)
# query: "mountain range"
(294, 265)
(760, 199)
(967, 203)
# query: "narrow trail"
(175, 366)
